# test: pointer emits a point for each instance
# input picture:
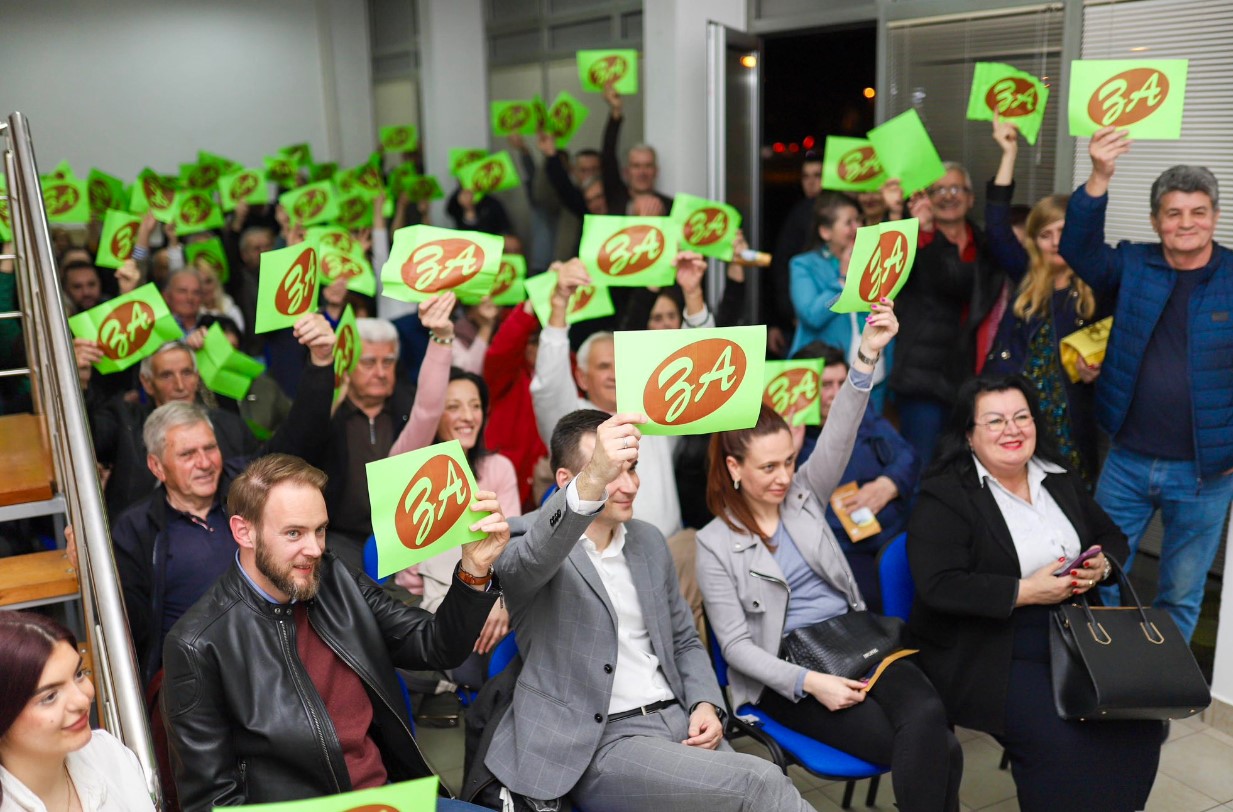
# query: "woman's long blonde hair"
(1036, 289)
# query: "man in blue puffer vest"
(1165, 393)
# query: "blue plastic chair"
(787, 747)
(895, 578)
(502, 654)
(370, 560)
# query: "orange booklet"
(859, 527)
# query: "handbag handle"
(1098, 631)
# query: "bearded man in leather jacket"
(279, 683)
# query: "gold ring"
(1090, 583)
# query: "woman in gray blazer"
(769, 563)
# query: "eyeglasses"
(999, 424)
(948, 191)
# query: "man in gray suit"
(616, 705)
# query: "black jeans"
(901, 723)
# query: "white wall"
(674, 41)
(131, 83)
(1222, 676)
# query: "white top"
(554, 395)
(637, 680)
(1040, 530)
(107, 775)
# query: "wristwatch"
(473, 580)
(865, 359)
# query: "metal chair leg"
(848, 788)
(1005, 760)
(871, 797)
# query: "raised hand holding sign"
(1012, 94)
(287, 286)
(598, 69)
(691, 381)
(907, 152)
(879, 265)
(117, 239)
(128, 328)
(851, 165)
(708, 227)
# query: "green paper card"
(540, 111)
(128, 328)
(512, 116)
(282, 169)
(117, 239)
(421, 505)
(356, 270)
(706, 226)
(248, 185)
(632, 252)
(691, 381)
(588, 302)
(346, 348)
(461, 156)
(565, 117)
(884, 253)
(494, 173)
(425, 261)
(209, 252)
(6, 225)
(400, 179)
(335, 238)
(106, 192)
(597, 68)
(287, 287)
(199, 175)
(301, 153)
(792, 389)
(67, 200)
(195, 211)
(224, 369)
(355, 211)
(153, 193)
(508, 288)
(325, 171)
(311, 204)
(907, 152)
(419, 795)
(364, 179)
(424, 187)
(225, 165)
(1015, 95)
(1142, 96)
(63, 171)
(851, 165)
(400, 138)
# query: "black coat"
(936, 347)
(244, 723)
(967, 576)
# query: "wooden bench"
(27, 474)
(36, 578)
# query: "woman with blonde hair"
(1049, 303)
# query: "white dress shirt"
(107, 775)
(1040, 530)
(637, 680)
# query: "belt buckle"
(644, 710)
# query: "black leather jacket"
(244, 722)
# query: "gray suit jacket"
(567, 636)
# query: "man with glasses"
(953, 287)
(794, 238)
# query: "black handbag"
(847, 645)
(1122, 662)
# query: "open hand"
(436, 315)
(314, 332)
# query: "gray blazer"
(567, 637)
(743, 588)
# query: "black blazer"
(967, 574)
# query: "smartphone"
(1091, 552)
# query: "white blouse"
(107, 775)
(1040, 530)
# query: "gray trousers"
(641, 765)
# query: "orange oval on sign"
(514, 117)
(157, 195)
(297, 293)
(339, 240)
(194, 209)
(344, 352)
(203, 176)
(609, 69)
(351, 209)
(335, 266)
(60, 198)
(505, 279)
(100, 195)
(1011, 97)
(581, 298)
(791, 391)
(889, 261)
(398, 137)
(694, 382)
(310, 204)
(435, 499)
(442, 264)
(372, 808)
(1130, 96)
(706, 226)
(488, 176)
(631, 250)
(243, 185)
(123, 240)
(126, 330)
(859, 164)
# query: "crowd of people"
(269, 656)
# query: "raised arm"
(434, 377)
(504, 358)
(1083, 238)
(309, 419)
(553, 392)
(1003, 244)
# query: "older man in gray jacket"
(617, 705)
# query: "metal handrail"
(57, 395)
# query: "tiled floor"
(1196, 772)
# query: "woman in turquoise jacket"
(817, 278)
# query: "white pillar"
(346, 62)
(675, 86)
(1220, 715)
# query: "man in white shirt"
(616, 705)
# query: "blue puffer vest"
(1143, 280)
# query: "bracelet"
(1104, 576)
(865, 359)
(445, 342)
(473, 580)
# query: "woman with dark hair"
(817, 278)
(50, 759)
(991, 543)
(769, 564)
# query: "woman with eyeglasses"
(1049, 303)
(50, 759)
(994, 536)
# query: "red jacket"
(511, 419)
